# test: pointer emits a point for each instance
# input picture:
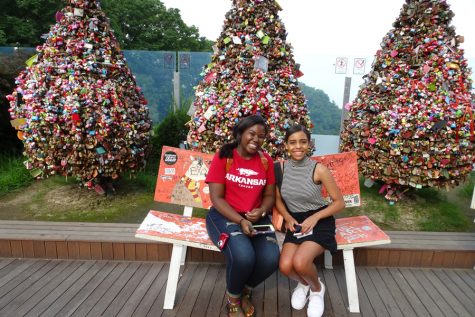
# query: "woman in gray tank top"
(308, 219)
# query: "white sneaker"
(300, 296)
(316, 303)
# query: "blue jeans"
(249, 260)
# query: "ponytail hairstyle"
(243, 124)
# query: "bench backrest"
(182, 173)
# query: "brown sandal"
(234, 309)
(247, 306)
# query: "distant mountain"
(324, 113)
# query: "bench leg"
(328, 260)
(351, 286)
(173, 274)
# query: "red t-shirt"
(245, 180)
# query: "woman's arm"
(290, 222)
(268, 200)
(322, 174)
(217, 198)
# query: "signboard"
(182, 174)
(359, 66)
(181, 178)
(344, 168)
(358, 231)
(341, 65)
(167, 227)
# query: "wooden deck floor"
(39, 287)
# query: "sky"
(322, 31)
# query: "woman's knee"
(285, 266)
(301, 265)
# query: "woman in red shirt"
(242, 189)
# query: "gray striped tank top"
(298, 189)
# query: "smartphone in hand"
(263, 229)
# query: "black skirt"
(323, 232)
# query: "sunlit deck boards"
(39, 287)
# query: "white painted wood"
(188, 212)
(351, 286)
(173, 274)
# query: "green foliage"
(171, 131)
(467, 188)
(149, 25)
(22, 22)
(138, 24)
(13, 174)
(425, 209)
(325, 114)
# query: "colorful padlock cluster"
(412, 122)
(77, 106)
(252, 71)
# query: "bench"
(181, 181)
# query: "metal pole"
(176, 91)
(346, 99)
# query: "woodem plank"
(444, 306)
(122, 298)
(56, 291)
(16, 249)
(108, 297)
(140, 252)
(152, 252)
(270, 305)
(183, 284)
(462, 282)
(152, 304)
(5, 262)
(468, 277)
(339, 273)
(258, 299)
(398, 296)
(366, 309)
(118, 251)
(421, 292)
(28, 250)
(96, 251)
(215, 306)
(393, 258)
(21, 281)
(86, 305)
(461, 296)
(448, 259)
(383, 291)
(50, 250)
(444, 297)
(372, 292)
(107, 251)
(129, 251)
(28, 287)
(39, 249)
(336, 295)
(204, 296)
(404, 258)
(69, 296)
(407, 290)
(62, 249)
(84, 250)
(73, 249)
(5, 248)
(12, 269)
(283, 295)
(191, 295)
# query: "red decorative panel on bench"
(181, 178)
(358, 231)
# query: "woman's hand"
(309, 223)
(255, 214)
(246, 227)
(290, 223)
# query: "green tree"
(138, 24)
(325, 114)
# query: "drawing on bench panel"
(181, 178)
(181, 181)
